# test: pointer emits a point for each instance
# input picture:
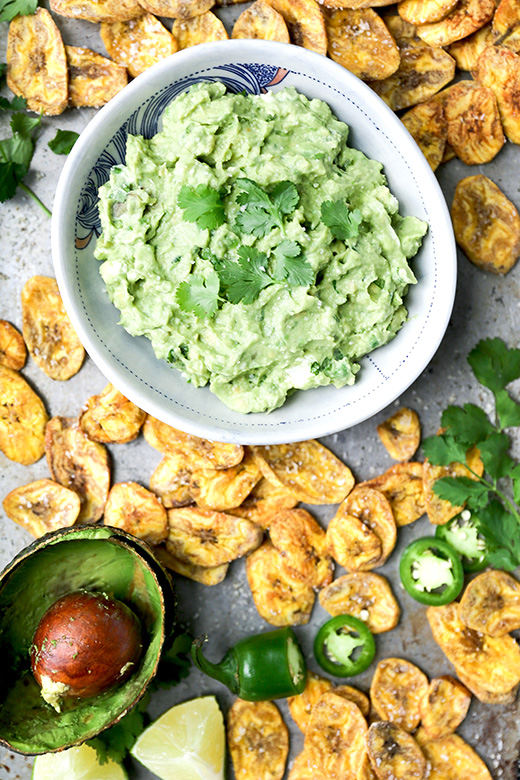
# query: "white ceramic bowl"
(129, 362)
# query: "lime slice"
(76, 763)
(187, 742)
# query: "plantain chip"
(506, 25)
(302, 544)
(438, 510)
(374, 510)
(177, 9)
(204, 28)
(402, 485)
(491, 603)
(111, 417)
(257, 739)
(444, 707)
(206, 575)
(301, 770)
(280, 595)
(137, 511)
(424, 11)
(479, 690)
(360, 41)
(401, 434)
(354, 4)
(138, 43)
(93, 79)
(352, 543)
(98, 10)
(36, 62)
(224, 489)
(302, 705)
(397, 689)
(356, 696)
(13, 352)
(171, 481)
(198, 453)
(47, 330)
(307, 469)
(366, 772)
(394, 753)
(467, 17)
(42, 506)
(261, 20)
(305, 23)
(473, 122)
(264, 502)
(450, 758)
(335, 737)
(486, 224)
(208, 538)
(499, 69)
(467, 51)
(364, 595)
(22, 419)
(426, 123)
(483, 663)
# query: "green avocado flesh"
(27, 723)
(300, 331)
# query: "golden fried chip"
(397, 689)
(139, 43)
(79, 464)
(257, 739)
(499, 69)
(261, 20)
(473, 122)
(171, 481)
(308, 469)
(506, 25)
(438, 510)
(206, 575)
(198, 453)
(42, 506)
(444, 707)
(305, 23)
(467, 51)
(449, 154)
(300, 769)
(450, 758)
(491, 603)
(427, 124)
(224, 489)
(394, 753)
(401, 434)
(335, 737)
(281, 597)
(482, 694)
(98, 10)
(488, 663)
(303, 545)
(360, 699)
(47, 330)
(137, 511)
(208, 538)
(204, 28)
(402, 485)
(364, 595)
(13, 352)
(465, 18)
(22, 419)
(359, 40)
(366, 772)
(93, 79)
(302, 705)
(486, 224)
(423, 11)
(264, 502)
(36, 62)
(374, 510)
(352, 543)
(177, 9)
(111, 417)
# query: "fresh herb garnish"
(493, 497)
(63, 141)
(262, 211)
(342, 222)
(16, 104)
(202, 205)
(289, 266)
(16, 154)
(245, 278)
(11, 8)
(199, 295)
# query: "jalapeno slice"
(344, 646)
(431, 571)
(463, 534)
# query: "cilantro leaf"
(255, 221)
(515, 476)
(16, 104)
(63, 141)
(203, 205)
(253, 195)
(114, 743)
(11, 8)
(443, 450)
(461, 490)
(342, 222)
(8, 181)
(501, 528)
(285, 197)
(470, 424)
(198, 295)
(508, 410)
(261, 211)
(290, 266)
(494, 454)
(246, 277)
(494, 364)
(3, 69)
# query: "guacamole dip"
(253, 247)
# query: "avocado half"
(92, 558)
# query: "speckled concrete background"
(486, 305)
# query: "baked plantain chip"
(402, 485)
(426, 123)
(506, 25)
(93, 79)
(47, 330)
(486, 224)
(264, 502)
(473, 122)
(302, 705)
(491, 603)
(171, 481)
(22, 419)
(13, 352)
(280, 595)
(138, 43)
(198, 453)
(444, 707)
(98, 10)
(467, 51)
(335, 737)
(394, 753)
(42, 506)
(177, 9)
(300, 769)
(352, 543)
(424, 11)
(257, 739)
(374, 510)
(397, 689)
(224, 489)
(401, 434)
(499, 69)
(305, 23)
(364, 595)
(111, 417)
(203, 28)
(79, 464)
(261, 20)
(438, 510)
(36, 63)
(208, 538)
(206, 575)
(137, 511)
(360, 41)
(450, 758)
(366, 772)
(302, 543)
(356, 696)
(467, 17)
(479, 690)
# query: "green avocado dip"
(253, 247)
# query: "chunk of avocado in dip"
(253, 247)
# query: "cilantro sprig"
(494, 497)
(11, 8)
(202, 205)
(261, 211)
(342, 222)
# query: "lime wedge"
(187, 742)
(76, 763)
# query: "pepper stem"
(225, 672)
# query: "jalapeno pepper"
(431, 571)
(259, 668)
(463, 534)
(338, 640)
